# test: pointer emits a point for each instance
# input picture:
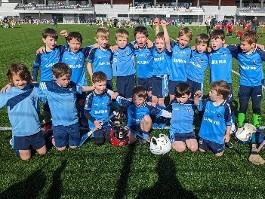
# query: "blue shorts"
(125, 85)
(146, 82)
(194, 86)
(172, 86)
(23, 143)
(102, 135)
(182, 137)
(66, 135)
(212, 146)
(157, 86)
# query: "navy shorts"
(23, 143)
(182, 137)
(66, 135)
(212, 146)
(157, 86)
(125, 85)
(146, 82)
(102, 135)
(172, 86)
(194, 86)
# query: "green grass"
(109, 172)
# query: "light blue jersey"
(144, 62)
(22, 106)
(62, 102)
(215, 120)
(161, 62)
(182, 117)
(179, 63)
(221, 63)
(101, 61)
(123, 61)
(250, 66)
(76, 61)
(44, 62)
(197, 66)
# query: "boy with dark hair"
(144, 59)
(220, 61)
(181, 123)
(216, 122)
(97, 108)
(44, 62)
(139, 114)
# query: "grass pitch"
(109, 172)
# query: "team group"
(162, 68)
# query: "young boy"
(250, 61)
(216, 122)
(144, 59)
(100, 57)
(161, 61)
(179, 61)
(44, 62)
(139, 114)
(97, 108)
(22, 103)
(61, 96)
(74, 56)
(198, 63)
(123, 64)
(220, 61)
(181, 123)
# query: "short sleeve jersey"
(161, 62)
(144, 62)
(22, 106)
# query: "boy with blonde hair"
(180, 59)
(99, 58)
(123, 64)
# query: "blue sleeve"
(261, 53)
(86, 51)
(36, 67)
(227, 115)
(42, 89)
(130, 45)
(88, 102)
(123, 101)
(3, 99)
(234, 50)
(202, 104)
(154, 111)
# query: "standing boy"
(123, 64)
(99, 58)
(180, 59)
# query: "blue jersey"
(198, 65)
(135, 114)
(144, 62)
(161, 62)
(101, 61)
(44, 62)
(22, 106)
(221, 63)
(179, 63)
(250, 66)
(215, 120)
(98, 106)
(182, 117)
(76, 61)
(123, 61)
(62, 102)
